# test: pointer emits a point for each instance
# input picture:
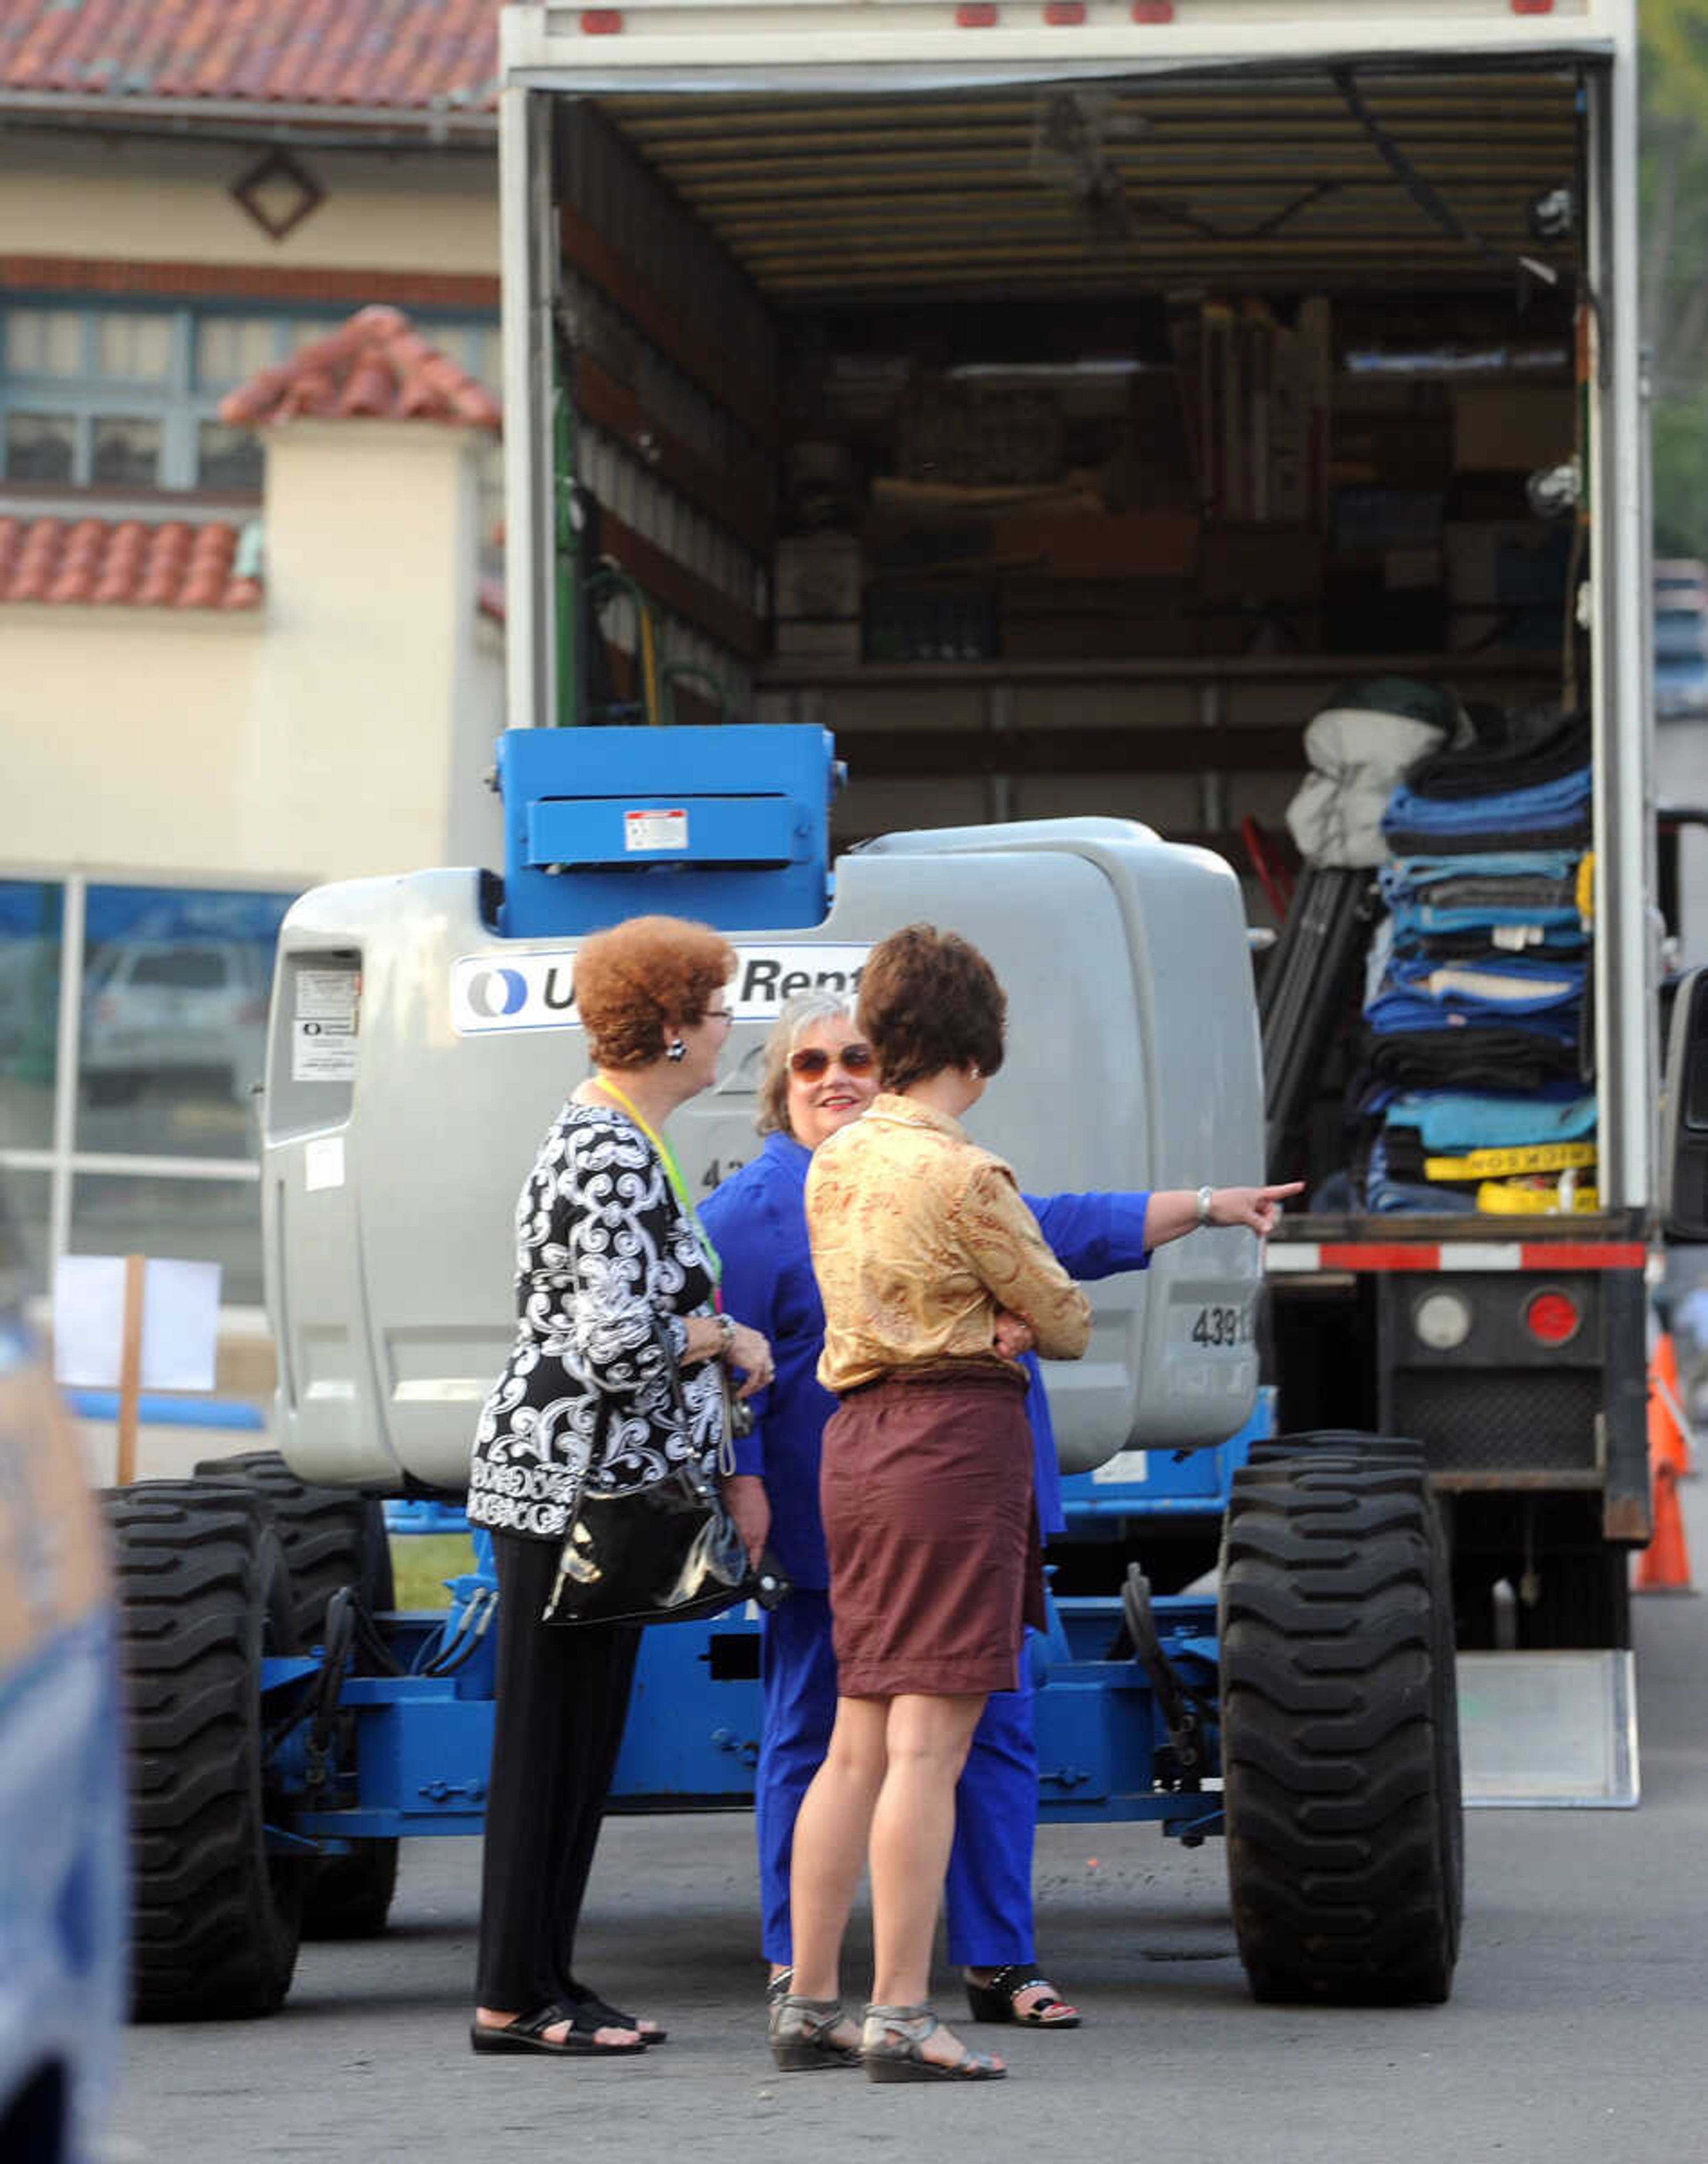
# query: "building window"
(31, 918)
(124, 454)
(117, 397)
(40, 447)
(47, 342)
(132, 1031)
(226, 458)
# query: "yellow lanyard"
(673, 1173)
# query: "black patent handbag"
(669, 1552)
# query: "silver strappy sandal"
(802, 2035)
(892, 2045)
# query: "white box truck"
(1364, 280)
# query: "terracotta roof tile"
(122, 562)
(376, 366)
(395, 55)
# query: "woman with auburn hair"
(612, 1377)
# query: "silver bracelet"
(1206, 1195)
(726, 1324)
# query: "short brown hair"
(928, 1000)
(643, 979)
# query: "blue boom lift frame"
(1330, 1697)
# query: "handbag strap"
(726, 1431)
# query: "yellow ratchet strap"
(1503, 1163)
(1535, 1198)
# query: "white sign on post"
(180, 1323)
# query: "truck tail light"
(1064, 14)
(976, 15)
(602, 22)
(1153, 11)
(1552, 1318)
(1442, 1320)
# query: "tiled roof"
(399, 55)
(101, 561)
(377, 366)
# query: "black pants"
(562, 1699)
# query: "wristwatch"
(1206, 1195)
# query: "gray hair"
(805, 1011)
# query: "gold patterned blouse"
(918, 1237)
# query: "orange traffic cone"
(1669, 1432)
(1664, 1565)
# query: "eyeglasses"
(718, 1014)
(812, 1060)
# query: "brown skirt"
(935, 1565)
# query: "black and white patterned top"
(608, 1269)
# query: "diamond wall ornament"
(278, 194)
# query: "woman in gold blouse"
(935, 1277)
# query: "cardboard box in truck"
(1512, 428)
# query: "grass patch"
(422, 1562)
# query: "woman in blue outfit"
(820, 1075)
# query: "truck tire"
(204, 1593)
(1340, 1731)
(332, 1537)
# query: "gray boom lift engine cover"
(415, 1059)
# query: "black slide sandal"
(528, 2034)
(995, 2001)
(608, 2016)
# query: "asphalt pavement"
(1575, 2030)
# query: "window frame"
(59, 1157)
(182, 400)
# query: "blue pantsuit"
(988, 1895)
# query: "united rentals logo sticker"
(537, 990)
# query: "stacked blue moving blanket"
(1474, 995)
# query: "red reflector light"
(1064, 14)
(1551, 1318)
(1532, 7)
(976, 15)
(1153, 11)
(602, 22)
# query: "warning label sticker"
(655, 830)
(323, 1026)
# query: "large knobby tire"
(205, 1593)
(332, 1538)
(1340, 1731)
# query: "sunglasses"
(812, 1060)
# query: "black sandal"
(613, 2017)
(526, 2033)
(995, 2001)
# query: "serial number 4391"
(1216, 1327)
